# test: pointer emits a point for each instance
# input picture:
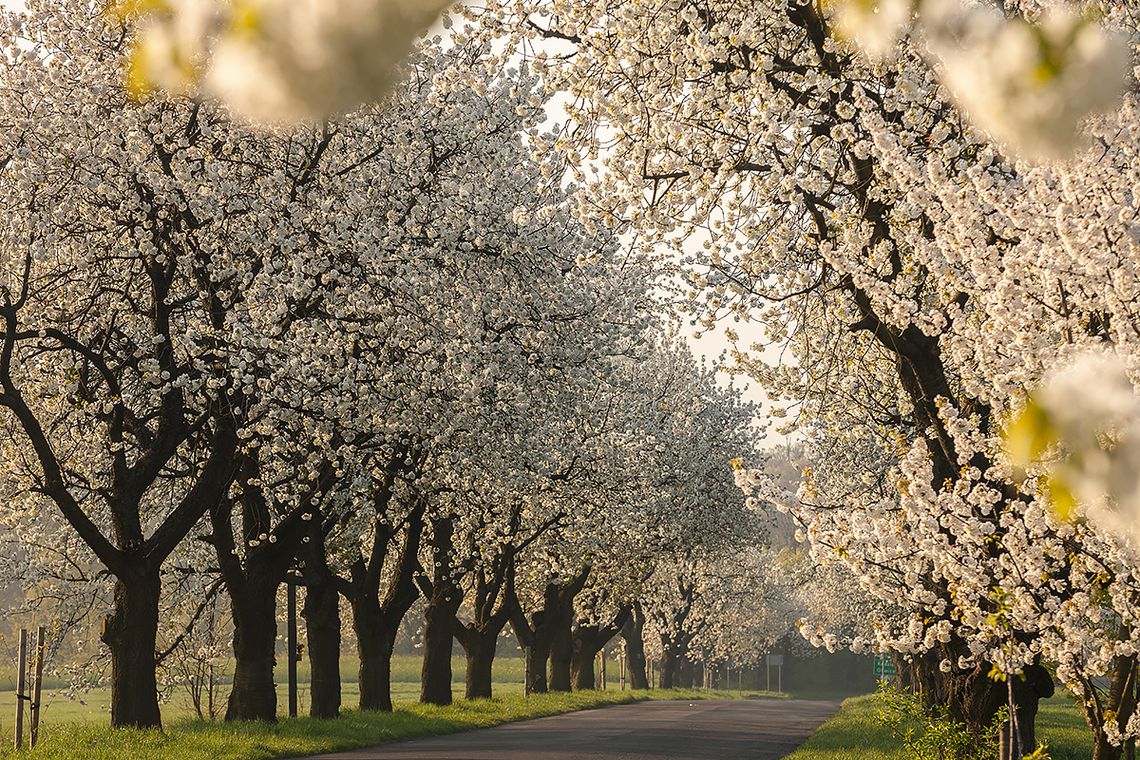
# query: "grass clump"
(858, 733)
(203, 740)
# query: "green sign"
(884, 666)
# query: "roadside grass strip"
(856, 733)
(204, 740)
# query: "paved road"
(763, 729)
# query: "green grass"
(93, 706)
(856, 734)
(200, 740)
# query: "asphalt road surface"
(761, 729)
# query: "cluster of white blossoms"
(1084, 422)
(275, 60)
(1030, 83)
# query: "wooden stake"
(18, 739)
(291, 643)
(36, 685)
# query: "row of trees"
(903, 283)
(379, 358)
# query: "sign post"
(884, 667)
(777, 661)
(18, 739)
(291, 643)
(37, 683)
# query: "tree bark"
(253, 695)
(558, 617)
(375, 640)
(375, 620)
(443, 600)
(1120, 701)
(561, 649)
(686, 673)
(130, 632)
(480, 651)
(535, 643)
(633, 634)
(670, 664)
(538, 656)
(588, 640)
(439, 621)
(322, 626)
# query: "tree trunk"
(375, 640)
(561, 651)
(480, 651)
(633, 632)
(322, 627)
(669, 668)
(686, 673)
(1121, 702)
(130, 632)
(254, 695)
(974, 699)
(439, 617)
(582, 667)
(588, 640)
(377, 621)
(538, 654)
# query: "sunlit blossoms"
(275, 60)
(1028, 81)
(1083, 426)
(1031, 85)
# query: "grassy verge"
(94, 705)
(199, 740)
(856, 734)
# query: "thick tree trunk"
(686, 673)
(480, 651)
(439, 619)
(539, 655)
(974, 699)
(588, 641)
(561, 651)
(375, 621)
(443, 600)
(633, 634)
(130, 632)
(1120, 701)
(669, 667)
(582, 674)
(322, 626)
(253, 695)
(375, 640)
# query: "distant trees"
(916, 281)
(379, 358)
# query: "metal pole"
(291, 643)
(18, 739)
(36, 684)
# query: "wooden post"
(604, 684)
(37, 686)
(291, 643)
(18, 738)
(526, 673)
(621, 667)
